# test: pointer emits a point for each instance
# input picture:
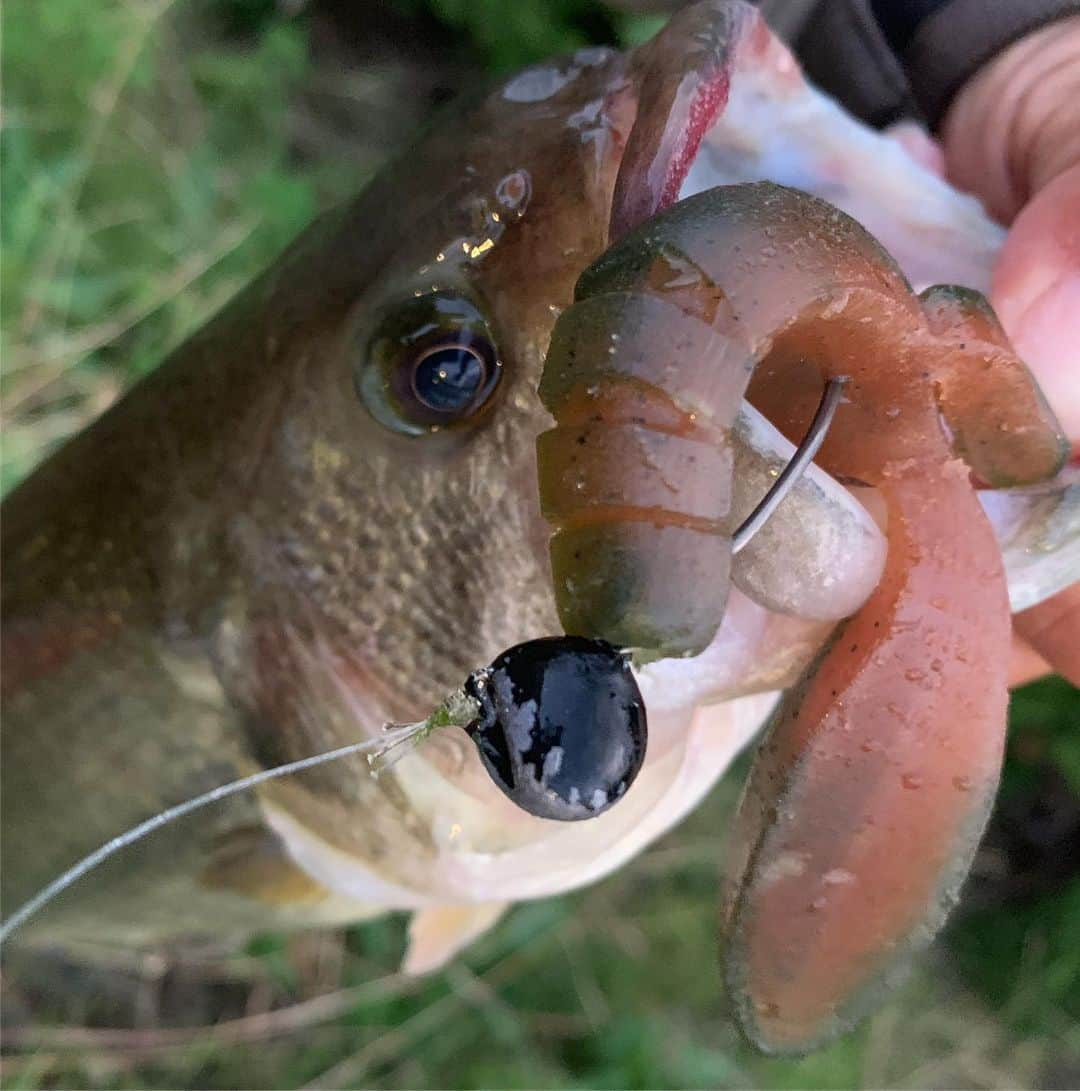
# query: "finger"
(1053, 630)
(1016, 124)
(1026, 664)
(1036, 292)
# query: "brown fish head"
(394, 510)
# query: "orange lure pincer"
(872, 786)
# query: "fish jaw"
(728, 103)
(487, 853)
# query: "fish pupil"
(447, 379)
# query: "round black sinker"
(562, 728)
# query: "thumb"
(1015, 125)
(1012, 136)
(1036, 292)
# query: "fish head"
(393, 539)
(388, 545)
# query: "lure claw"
(868, 796)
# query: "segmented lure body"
(865, 804)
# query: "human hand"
(1012, 137)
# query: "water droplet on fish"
(911, 781)
(838, 876)
(915, 674)
(892, 412)
(962, 784)
(939, 602)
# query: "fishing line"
(394, 735)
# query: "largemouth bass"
(283, 538)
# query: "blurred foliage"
(1050, 715)
(145, 177)
(509, 35)
(147, 172)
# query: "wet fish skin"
(175, 574)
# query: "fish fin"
(437, 934)
(252, 861)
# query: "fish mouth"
(720, 100)
(684, 77)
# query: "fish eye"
(446, 378)
(426, 364)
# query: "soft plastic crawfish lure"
(873, 784)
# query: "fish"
(322, 512)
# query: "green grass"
(148, 171)
(144, 181)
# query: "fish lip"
(683, 78)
